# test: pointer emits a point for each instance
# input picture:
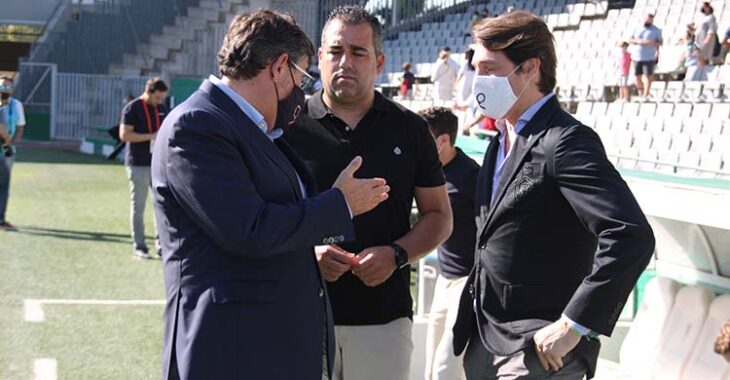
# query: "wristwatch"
(401, 256)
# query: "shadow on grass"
(70, 234)
(50, 155)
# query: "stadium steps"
(167, 52)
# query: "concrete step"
(135, 60)
(214, 4)
(204, 14)
(182, 33)
(190, 24)
(153, 51)
(241, 8)
(170, 41)
(117, 69)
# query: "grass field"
(72, 242)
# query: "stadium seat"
(701, 142)
(680, 331)
(665, 109)
(710, 161)
(689, 161)
(628, 156)
(648, 160)
(722, 145)
(599, 109)
(691, 125)
(658, 89)
(639, 348)
(680, 142)
(647, 110)
(668, 159)
(643, 141)
(704, 363)
(584, 109)
(682, 110)
(692, 92)
(673, 92)
(701, 110)
(721, 111)
(630, 109)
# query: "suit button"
(482, 246)
(321, 292)
(471, 289)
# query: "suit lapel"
(525, 140)
(260, 140)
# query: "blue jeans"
(6, 165)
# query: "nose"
(346, 61)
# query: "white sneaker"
(140, 254)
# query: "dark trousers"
(480, 364)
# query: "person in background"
(14, 117)
(645, 55)
(694, 62)
(141, 119)
(706, 33)
(443, 76)
(455, 255)
(407, 80)
(624, 66)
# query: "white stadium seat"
(704, 363)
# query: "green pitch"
(72, 242)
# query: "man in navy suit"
(561, 240)
(239, 216)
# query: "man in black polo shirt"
(455, 255)
(369, 279)
(141, 118)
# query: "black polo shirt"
(145, 119)
(456, 255)
(395, 144)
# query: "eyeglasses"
(307, 80)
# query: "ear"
(278, 66)
(380, 62)
(320, 53)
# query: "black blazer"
(245, 299)
(563, 235)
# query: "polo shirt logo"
(397, 150)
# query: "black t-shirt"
(409, 79)
(145, 119)
(456, 255)
(395, 144)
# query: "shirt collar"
(318, 110)
(526, 116)
(247, 108)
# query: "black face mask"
(289, 108)
(4, 96)
(647, 24)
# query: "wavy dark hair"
(255, 39)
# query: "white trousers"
(374, 352)
(441, 363)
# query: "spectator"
(725, 47)
(141, 119)
(455, 255)
(444, 76)
(14, 116)
(693, 57)
(406, 82)
(706, 35)
(646, 54)
(465, 77)
(624, 65)
(485, 13)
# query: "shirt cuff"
(578, 328)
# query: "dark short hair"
(407, 66)
(155, 84)
(441, 120)
(520, 36)
(354, 15)
(256, 39)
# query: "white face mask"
(494, 95)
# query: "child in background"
(624, 65)
(406, 82)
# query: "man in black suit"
(561, 240)
(239, 216)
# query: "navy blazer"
(563, 234)
(245, 299)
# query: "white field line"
(33, 308)
(45, 369)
